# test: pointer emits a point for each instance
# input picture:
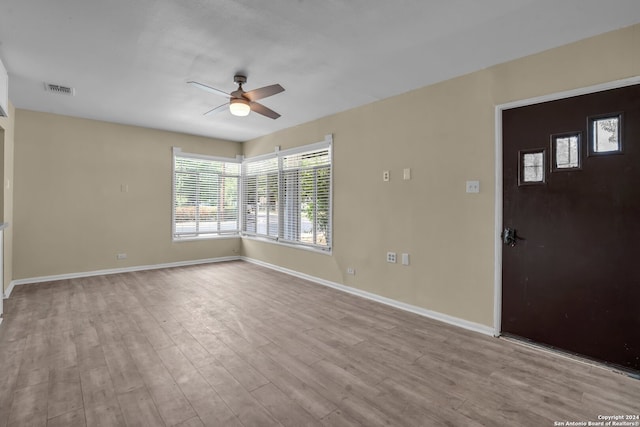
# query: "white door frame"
(497, 274)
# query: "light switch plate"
(405, 259)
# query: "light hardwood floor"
(234, 344)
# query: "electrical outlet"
(391, 257)
(385, 176)
(121, 256)
(351, 271)
(473, 186)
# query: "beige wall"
(445, 134)
(70, 213)
(7, 141)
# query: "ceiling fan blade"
(218, 109)
(261, 109)
(208, 89)
(263, 92)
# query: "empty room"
(330, 213)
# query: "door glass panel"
(531, 167)
(565, 149)
(604, 134)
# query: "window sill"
(289, 245)
(257, 239)
(198, 238)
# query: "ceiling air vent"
(58, 89)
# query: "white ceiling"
(129, 61)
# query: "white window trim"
(178, 151)
(289, 244)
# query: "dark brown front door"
(571, 274)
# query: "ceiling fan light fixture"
(239, 107)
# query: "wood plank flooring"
(234, 344)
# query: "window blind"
(287, 196)
(260, 193)
(205, 196)
(306, 198)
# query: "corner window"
(205, 196)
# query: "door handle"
(510, 236)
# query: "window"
(565, 151)
(287, 196)
(531, 167)
(260, 190)
(306, 197)
(205, 196)
(605, 134)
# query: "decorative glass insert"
(605, 134)
(565, 150)
(531, 167)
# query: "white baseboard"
(7, 293)
(41, 279)
(455, 321)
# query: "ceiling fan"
(241, 102)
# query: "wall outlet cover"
(473, 186)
